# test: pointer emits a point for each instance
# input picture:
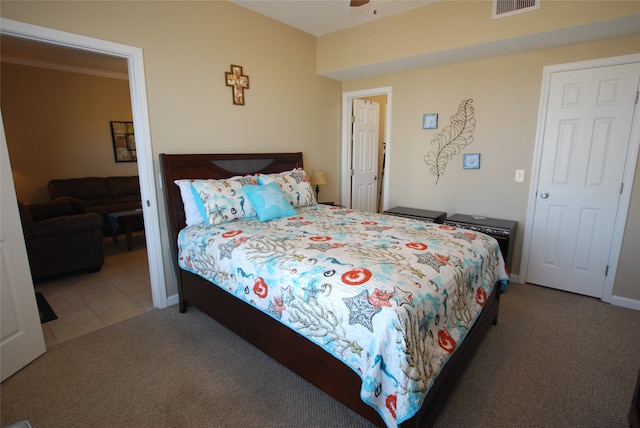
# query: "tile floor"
(87, 302)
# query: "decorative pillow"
(220, 201)
(269, 201)
(191, 211)
(295, 185)
(244, 179)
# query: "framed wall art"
(471, 161)
(430, 121)
(124, 141)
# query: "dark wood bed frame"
(278, 341)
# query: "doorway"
(383, 97)
(585, 154)
(365, 169)
(138, 94)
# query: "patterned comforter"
(390, 297)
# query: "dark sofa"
(101, 195)
(59, 240)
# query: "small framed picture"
(430, 121)
(124, 141)
(471, 161)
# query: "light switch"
(519, 175)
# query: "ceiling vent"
(502, 8)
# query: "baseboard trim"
(172, 300)
(625, 302)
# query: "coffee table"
(126, 217)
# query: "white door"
(21, 339)
(364, 178)
(584, 145)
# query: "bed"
(308, 307)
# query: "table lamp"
(318, 179)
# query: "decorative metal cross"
(238, 83)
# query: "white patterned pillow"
(220, 201)
(191, 210)
(295, 185)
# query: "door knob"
(375, 177)
(544, 195)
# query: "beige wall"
(57, 126)
(627, 282)
(187, 47)
(466, 25)
(505, 92)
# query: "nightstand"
(504, 231)
(418, 214)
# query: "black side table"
(126, 217)
(504, 231)
(418, 214)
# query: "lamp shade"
(318, 178)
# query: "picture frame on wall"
(124, 141)
(430, 121)
(471, 161)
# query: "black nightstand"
(418, 214)
(504, 231)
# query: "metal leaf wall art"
(452, 139)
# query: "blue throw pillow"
(269, 201)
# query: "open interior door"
(364, 178)
(21, 339)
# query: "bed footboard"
(276, 340)
(316, 365)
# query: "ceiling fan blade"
(356, 3)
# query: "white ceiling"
(319, 17)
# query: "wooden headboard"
(214, 166)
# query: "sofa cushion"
(87, 188)
(78, 205)
(46, 210)
(125, 192)
(90, 190)
(124, 186)
(67, 225)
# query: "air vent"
(502, 8)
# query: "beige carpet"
(554, 359)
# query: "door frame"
(628, 176)
(140, 112)
(347, 108)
